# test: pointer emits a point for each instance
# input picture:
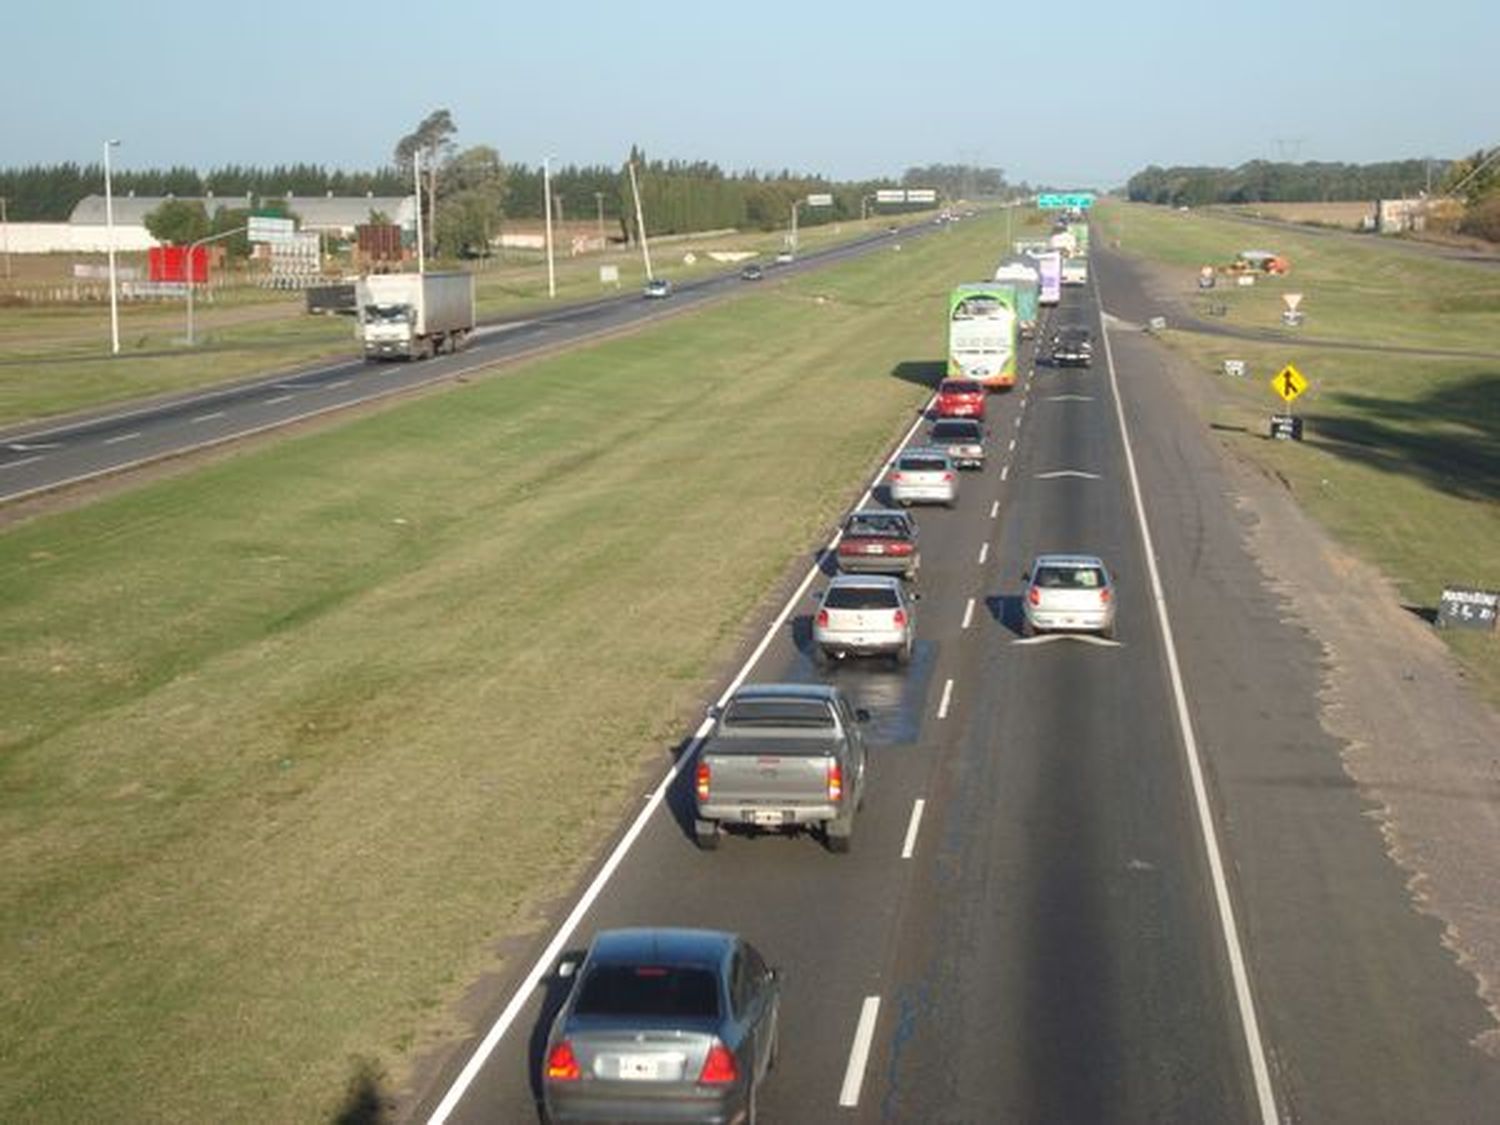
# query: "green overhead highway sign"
(1079, 199)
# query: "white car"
(1071, 593)
(865, 615)
(923, 476)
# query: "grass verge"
(1401, 458)
(289, 745)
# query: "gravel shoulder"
(1420, 745)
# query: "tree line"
(1265, 181)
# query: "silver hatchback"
(1068, 592)
(865, 615)
(923, 475)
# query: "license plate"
(767, 817)
(642, 1068)
(874, 548)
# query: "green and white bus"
(982, 326)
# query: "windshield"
(387, 314)
(981, 306)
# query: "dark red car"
(960, 398)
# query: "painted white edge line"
(909, 846)
(22, 461)
(942, 711)
(569, 925)
(968, 614)
(118, 438)
(859, 1052)
(1229, 928)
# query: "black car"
(1072, 347)
(663, 1025)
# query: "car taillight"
(719, 1067)
(1034, 596)
(898, 548)
(895, 474)
(562, 1064)
(823, 617)
(947, 476)
(835, 781)
(899, 617)
(1104, 595)
(705, 775)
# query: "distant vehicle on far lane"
(785, 258)
(657, 288)
(752, 272)
(663, 1025)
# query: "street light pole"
(416, 175)
(547, 208)
(109, 225)
(189, 272)
(599, 201)
(795, 204)
(5, 228)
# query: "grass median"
(289, 745)
(1401, 456)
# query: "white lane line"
(1018, 421)
(995, 507)
(1012, 445)
(1004, 472)
(947, 699)
(968, 614)
(18, 464)
(336, 386)
(209, 417)
(1059, 473)
(859, 1052)
(1249, 1023)
(554, 948)
(118, 438)
(278, 400)
(984, 553)
(909, 847)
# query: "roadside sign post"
(1291, 316)
(1288, 384)
(1463, 607)
(1235, 367)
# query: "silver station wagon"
(923, 476)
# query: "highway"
(1091, 882)
(47, 456)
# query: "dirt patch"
(1417, 741)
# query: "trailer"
(414, 315)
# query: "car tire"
(1027, 628)
(1108, 632)
(706, 834)
(838, 841)
(903, 655)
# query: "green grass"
(289, 745)
(56, 359)
(1401, 458)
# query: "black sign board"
(1286, 427)
(1463, 608)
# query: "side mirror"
(714, 711)
(861, 715)
(915, 596)
(1025, 576)
(567, 966)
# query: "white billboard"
(267, 229)
(822, 199)
(890, 195)
(921, 195)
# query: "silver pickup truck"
(782, 757)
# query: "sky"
(1081, 94)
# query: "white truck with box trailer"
(414, 315)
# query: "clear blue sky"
(1080, 94)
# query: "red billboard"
(170, 263)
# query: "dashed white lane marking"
(1071, 398)
(995, 507)
(118, 438)
(1018, 421)
(1057, 473)
(1012, 445)
(947, 699)
(968, 614)
(859, 1052)
(984, 552)
(279, 399)
(909, 847)
(1048, 638)
(209, 417)
(339, 384)
(1004, 472)
(29, 446)
(18, 464)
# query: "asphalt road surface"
(45, 457)
(1028, 927)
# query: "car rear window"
(881, 526)
(861, 597)
(1069, 577)
(958, 387)
(648, 990)
(923, 464)
(955, 431)
(778, 713)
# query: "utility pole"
(5, 229)
(640, 221)
(109, 224)
(416, 175)
(599, 202)
(547, 210)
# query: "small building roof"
(317, 212)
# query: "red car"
(960, 398)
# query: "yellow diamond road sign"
(1288, 383)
